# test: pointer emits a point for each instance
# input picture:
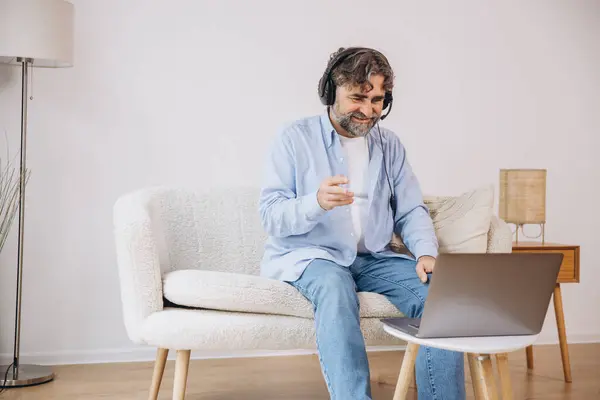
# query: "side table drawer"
(569, 269)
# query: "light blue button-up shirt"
(305, 153)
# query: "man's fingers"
(336, 190)
(340, 197)
(421, 273)
(333, 194)
(342, 202)
(337, 180)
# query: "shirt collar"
(327, 128)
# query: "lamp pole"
(23, 375)
(35, 33)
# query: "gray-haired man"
(336, 187)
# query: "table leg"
(562, 333)
(504, 372)
(529, 351)
(406, 371)
(486, 377)
(478, 390)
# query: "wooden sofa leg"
(181, 372)
(159, 368)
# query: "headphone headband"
(327, 85)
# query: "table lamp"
(33, 33)
(523, 198)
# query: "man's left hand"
(425, 264)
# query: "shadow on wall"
(6, 75)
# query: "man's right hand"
(331, 195)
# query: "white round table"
(478, 350)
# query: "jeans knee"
(336, 289)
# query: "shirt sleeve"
(282, 212)
(413, 222)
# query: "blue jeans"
(332, 289)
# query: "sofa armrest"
(500, 236)
(138, 261)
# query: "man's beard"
(355, 129)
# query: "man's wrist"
(425, 249)
(312, 208)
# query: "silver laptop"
(491, 294)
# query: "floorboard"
(299, 377)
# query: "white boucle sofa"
(189, 273)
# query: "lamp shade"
(523, 196)
(41, 30)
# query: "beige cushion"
(461, 223)
(249, 293)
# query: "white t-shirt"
(357, 156)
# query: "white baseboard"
(571, 338)
(141, 354)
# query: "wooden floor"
(299, 377)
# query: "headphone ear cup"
(330, 92)
(326, 94)
(387, 100)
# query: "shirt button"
(341, 158)
(352, 234)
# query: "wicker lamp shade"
(523, 196)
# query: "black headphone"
(327, 96)
(327, 86)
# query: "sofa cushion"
(230, 291)
(461, 223)
(218, 332)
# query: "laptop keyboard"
(415, 324)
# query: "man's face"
(357, 111)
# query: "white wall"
(160, 87)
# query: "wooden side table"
(569, 273)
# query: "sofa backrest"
(218, 230)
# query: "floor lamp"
(33, 33)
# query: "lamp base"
(542, 232)
(27, 375)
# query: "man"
(327, 206)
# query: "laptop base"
(406, 325)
